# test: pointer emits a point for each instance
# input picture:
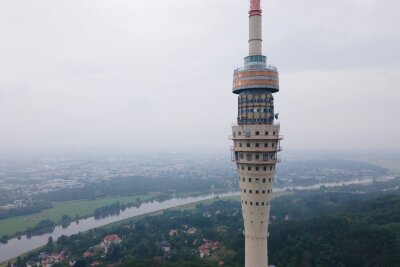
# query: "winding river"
(16, 247)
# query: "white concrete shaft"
(255, 35)
(256, 252)
(256, 185)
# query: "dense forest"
(316, 228)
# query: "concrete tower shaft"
(255, 28)
(256, 140)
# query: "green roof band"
(257, 58)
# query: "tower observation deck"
(256, 140)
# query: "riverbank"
(16, 247)
(79, 209)
(189, 206)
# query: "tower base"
(256, 251)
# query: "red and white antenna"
(255, 29)
(255, 8)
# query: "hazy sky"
(157, 75)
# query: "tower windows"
(251, 203)
(264, 168)
(257, 133)
(257, 168)
(250, 191)
(257, 191)
(249, 180)
(262, 204)
(249, 157)
(248, 144)
(257, 145)
(257, 180)
(266, 133)
(244, 190)
(264, 180)
(266, 145)
(240, 145)
(244, 179)
(256, 203)
(269, 180)
(257, 156)
(249, 168)
(263, 191)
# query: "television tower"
(256, 140)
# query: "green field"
(82, 208)
(105, 201)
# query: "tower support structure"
(256, 140)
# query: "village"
(95, 255)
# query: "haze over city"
(156, 75)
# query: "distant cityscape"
(23, 181)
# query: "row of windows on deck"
(256, 180)
(255, 110)
(265, 156)
(247, 133)
(256, 100)
(250, 191)
(256, 144)
(253, 121)
(255, 203)
(257, 168)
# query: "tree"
(19, 262)
(80, 263)
(50, 245)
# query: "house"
(87, 254)
(112, 239)
(173, 233)
(191, 231)
(206, 249)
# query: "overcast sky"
(157, 75)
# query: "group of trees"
(32, 208)
(44, 226)
(324, 229)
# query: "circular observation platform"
(256, 74)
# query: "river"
(16, 247)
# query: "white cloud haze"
(157, 74)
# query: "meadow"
(80, 208)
